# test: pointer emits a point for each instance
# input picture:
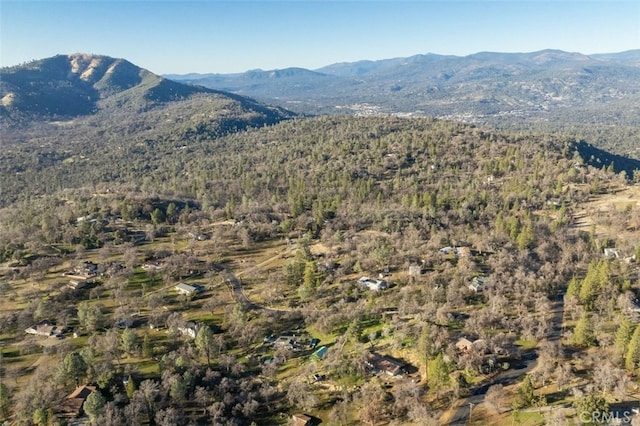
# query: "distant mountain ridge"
(66, 87)
(483, 87)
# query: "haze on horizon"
(170, 37)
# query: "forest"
(333, 270)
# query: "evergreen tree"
(147, 350)
(573, 289)
(157, 216)
(73, 368)
(583, 332)
(423, 347)
(623, 336)
(41, 417)
(525, 396)
(632, 358)
(438, 373)
(131, 387)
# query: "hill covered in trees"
(272, 243)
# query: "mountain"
(287, 83)
(486, 87)
(84, 86)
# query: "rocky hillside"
(81, 86)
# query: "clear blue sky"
(234, 36)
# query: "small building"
(187, 290)
(300, 419)
(611, 253)
(125, 323)
(320, 353)
(79, 283)
(372, 283)
(71, 406)
(384, 364)
(446, 250)
(152, 267)
(477, 284)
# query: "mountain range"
(549, 85)
(74, 90)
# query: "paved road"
(514, 374)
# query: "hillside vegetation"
(472, 231)
(111, 93)
(590, 97)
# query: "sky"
(214, 36)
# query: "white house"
(372, 283)
(187, 290)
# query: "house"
(152, 267)
(458, 251)
(467, 346)
(477, 284)
(87, 269)
(384, 364)
(300, 419)
(125, 323)
(611, 253)
(284, 341)
(190, 329)
(188, 290)
(446, 250)
(45, 328)
(71, 406)
(79, 283)
(372, 283)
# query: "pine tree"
(423, 347)
(438, 373)
(147, 350)
(573, 289)
(623, 336)
(583, 332)
(525, 396)
(632, 357)
(131, 387)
